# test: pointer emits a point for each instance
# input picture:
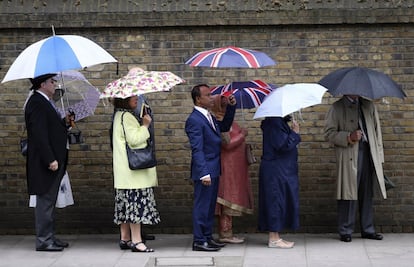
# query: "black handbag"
(139, 158)
(74, 134)
(23, 146)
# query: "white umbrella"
(55, 54)
(290, 98)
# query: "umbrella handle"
(71, 117)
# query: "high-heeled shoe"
(135, 249)
(125, 244)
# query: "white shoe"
(280, 244)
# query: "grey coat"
(341, 120)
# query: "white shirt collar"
(43, 94)
(202, 110)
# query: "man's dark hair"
(195, 92)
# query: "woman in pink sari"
(235, 196)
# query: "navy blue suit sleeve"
(284, 139)
(227, 121)
(193, 128)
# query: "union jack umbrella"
(230, 57)
(249, 94)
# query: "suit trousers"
(45, 213)
(347, 208)
(205, 198)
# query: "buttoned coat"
(47, 141)
(136, 135)
(341, 120)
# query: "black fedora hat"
(37, 81)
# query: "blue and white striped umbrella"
(55, 54)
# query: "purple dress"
(278, 177)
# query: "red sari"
(235, 195)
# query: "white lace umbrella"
(76, 94)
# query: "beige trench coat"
(341, 120)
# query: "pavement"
(311, 250)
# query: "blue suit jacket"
(206, 143)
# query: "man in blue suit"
(203, 132)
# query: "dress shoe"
(346, 238)
(215, 244)
(61, 243)
(204, 246)
(51, 247)
(373, 236)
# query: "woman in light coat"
(343, 131)
(134, 196)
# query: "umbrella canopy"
(139, 82)
(290, 98)
(249, 94)
(55, 54)
(364, 82)
(230, 57)
(76, 94)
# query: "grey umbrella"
(360, 81)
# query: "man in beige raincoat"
(353, 127)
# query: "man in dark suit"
(47, 156)
(203, 131)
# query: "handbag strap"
(24, 130)
(123, 129)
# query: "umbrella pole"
(62, 87)
(241, 105)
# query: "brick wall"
(308, 42)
